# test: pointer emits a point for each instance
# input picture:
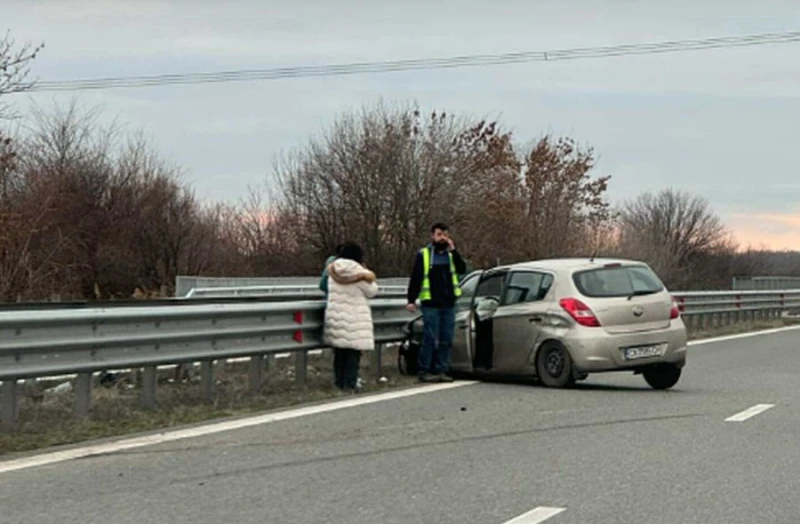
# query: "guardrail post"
(207, 379)
(83, 395)
(300, 357)
(149, 382)
(300, 367)
(377, 361)
(8, 415)
(256, 372)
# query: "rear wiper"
(641, 293)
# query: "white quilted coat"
(348, 316)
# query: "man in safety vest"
(434, 281)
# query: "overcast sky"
(723, 123)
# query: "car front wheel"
(663, 376)
(554, 366)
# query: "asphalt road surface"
(722, 447)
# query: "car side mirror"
(486, 306)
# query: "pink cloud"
(770, 230)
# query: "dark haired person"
(348, 315)
(323, 281)
(434, 282)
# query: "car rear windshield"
(617, 281)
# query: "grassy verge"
(48, 421)
(45, 422)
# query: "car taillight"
(675, 312)
(580, 312)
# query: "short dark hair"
(352, 251)
(338, 250)
(438, 225)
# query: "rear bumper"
(594, 350)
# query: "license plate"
(643, 352)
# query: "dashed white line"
(749, 413)
(536, 516)
(217, 427)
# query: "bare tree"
(31, 243)
(383, 176)
(14, 69)
(566, 208)
(674, 231)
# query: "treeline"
(87, 212)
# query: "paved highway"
(609, 451)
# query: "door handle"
(535, 319)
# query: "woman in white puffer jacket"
(348, 316)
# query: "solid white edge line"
(217, 427)
(749, 413)
(536, 516)
(738, 336)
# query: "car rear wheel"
(663, 376)
(554, 366)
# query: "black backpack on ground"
(408, 357)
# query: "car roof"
(566, 264)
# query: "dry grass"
(45, 422)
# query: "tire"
(554, 366)
(662, 377)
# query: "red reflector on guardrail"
(298, 319)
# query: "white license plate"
(643, 352)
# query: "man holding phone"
(434, 282)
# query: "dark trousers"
(345, 367)
(439, 328)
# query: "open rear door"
(463, 339)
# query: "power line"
(243, 75)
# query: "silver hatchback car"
(560, 320)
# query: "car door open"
(487, 300)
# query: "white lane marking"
(749, 413)
(535, 516)
(218, 427)
(738, 336)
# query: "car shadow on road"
(584, 386)
(579, 386)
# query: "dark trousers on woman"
(345, 367)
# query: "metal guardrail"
(704, 309)
(84, 341)
(184, 283)
(765, 283)
(279, 291)
(46, 342)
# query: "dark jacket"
(442, 294)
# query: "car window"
(527, 286)
(468, 287)
(617, 281)
(644, 280)
(491, 286)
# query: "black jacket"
(442, 295)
